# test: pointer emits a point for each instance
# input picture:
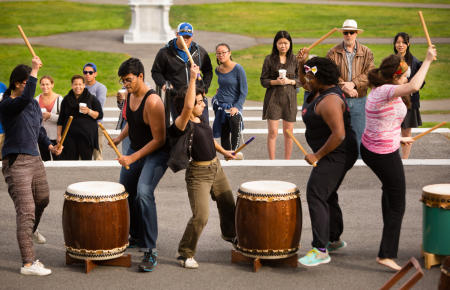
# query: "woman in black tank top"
(330, 136)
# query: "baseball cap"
(91, 64)
(185, 29)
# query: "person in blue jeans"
(147, 158)
(354, 61)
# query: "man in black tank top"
(146, 157)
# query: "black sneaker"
(132, 243)
(148, 262)
(233, 241)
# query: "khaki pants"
(202, 183)
(97, 154)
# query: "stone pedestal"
(149, 22)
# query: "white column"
(149, 22)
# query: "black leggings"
(389, 169)
(232, 126)
(322, 197)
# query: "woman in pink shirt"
(381, 140)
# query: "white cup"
(43, 110)
(122, 95)
(122, 91)
(82, 105)
(282, 73)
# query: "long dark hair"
(408, 55)
(19, 74)
(281, 34)
(385, 73)
(229, 50)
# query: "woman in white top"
(50, 103)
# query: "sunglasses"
(88, 72)
(185, 30)
(349, 32)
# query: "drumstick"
(243, 145)
(110, 141)
(185, 48)
(66, 129)
(299, 145)
(26, 40)
(424, 25)
(429, 131)
(321, 39)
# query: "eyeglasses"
(349, 32)
(127, 80)
(88, 72)
(222, 53)
(185, 30)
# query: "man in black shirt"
(170, 69)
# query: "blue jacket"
(22, 118)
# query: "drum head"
(265, 187)
(436, 195)
(95, 191)
(441, 189)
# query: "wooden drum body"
(268, 219)
(95, 220)
(436, 219)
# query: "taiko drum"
(268, 219)
(95, 220)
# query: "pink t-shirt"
(384, 116)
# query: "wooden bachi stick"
(26, 40)
(299, 145)
(110, 141)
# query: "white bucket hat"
(350, 24)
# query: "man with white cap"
(170, 69)
(354, 62)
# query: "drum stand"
(237, 257)
(122, 261)
(431, 259)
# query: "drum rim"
(92, 198)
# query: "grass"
(407, 1)
(437, 86)
(432, 124)
(435, 112)
(62, 64)
(42, 18)
(265, 19)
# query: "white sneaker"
(189, 263)
(37, 269)
(39, 238)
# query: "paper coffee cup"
(122, 91)
(82, 105)
(43, 110)
(282, 73)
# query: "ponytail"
(385, 73)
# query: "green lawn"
(432, 124)
(406, 1)
(265, 19)
(50, 17)
(437, 85)
(40, 18)
(62, 64)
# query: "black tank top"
(318, 132)
(139, 132)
